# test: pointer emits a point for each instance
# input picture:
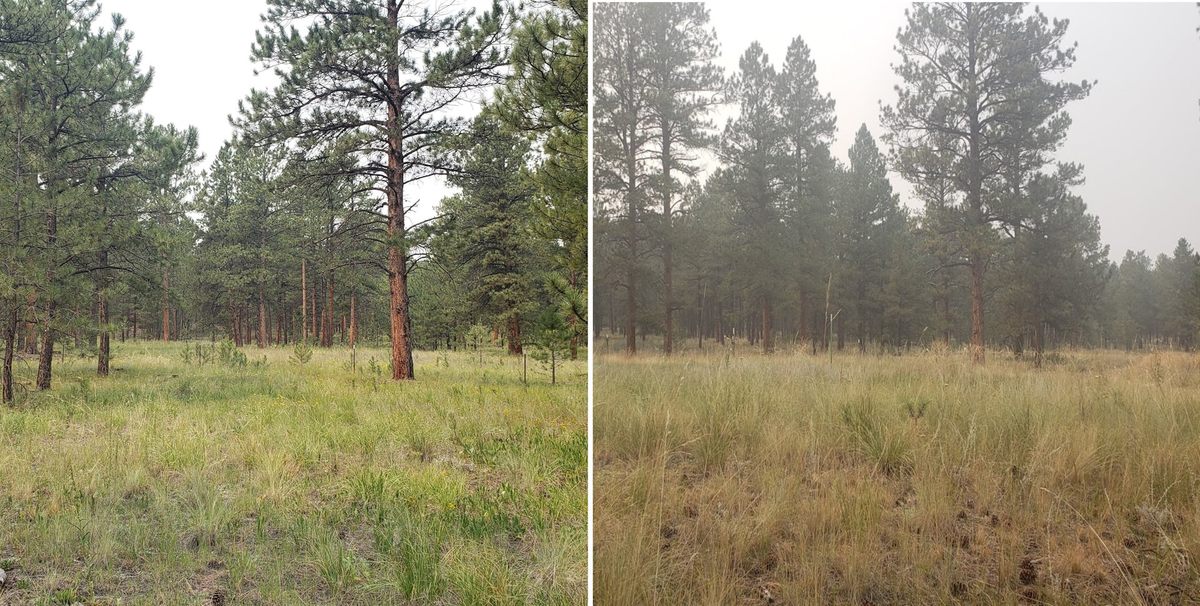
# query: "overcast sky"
(200, 52)
(1137, 135)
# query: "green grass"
(286, 483)
(918, 479)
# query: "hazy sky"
(1137, 135)
(200, 53)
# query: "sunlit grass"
(284, 483)
(917, 479)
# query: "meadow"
(738, 478)
(202, 478)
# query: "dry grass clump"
(276, 482)
(918, 479)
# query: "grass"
(915, 479)
(276, 482)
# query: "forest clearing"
(914, 479)
(860, 338)
(325, 349)
(190, 478)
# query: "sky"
(1137, 135)
(200, 53)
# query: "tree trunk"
(803, 316)
(630, 315)
(514, 335)
(31, 323)
(768, 340)
(327, 316)
(166, 305)
(353, 318)
(237, 326)
(313, 316)
(46, 357)
(668, 297)
(572, 321)
(304, 299)
(1039, 342)
(977, 348)
(401, 323)
(720, 323)
(10, 344)
(14, 315)
(102, 318)
(261, 341)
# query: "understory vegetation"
(202, 473)
(879, 479)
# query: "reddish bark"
(977, 348)
(514, 336)
(397, 266)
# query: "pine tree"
(683, 81)
(1058, 267)
(489, 227)
(383, 75)
(622, 122)
(867, 219)
(977, 76)
(752, 145)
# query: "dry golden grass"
(919, 479)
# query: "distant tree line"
(783, 243)
(297, 231)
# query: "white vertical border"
(591, 318)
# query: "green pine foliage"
(782, 245)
